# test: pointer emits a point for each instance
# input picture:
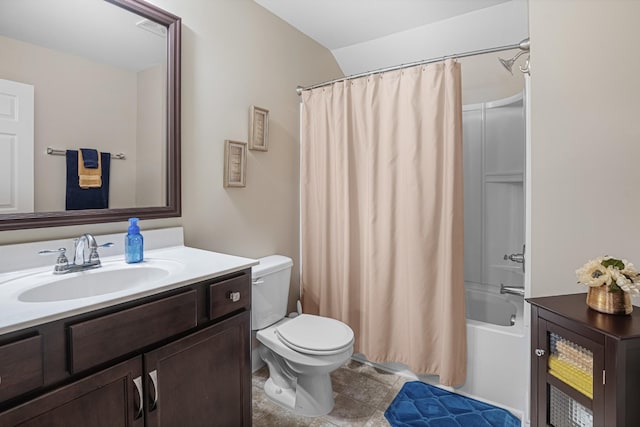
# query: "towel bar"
(58, 152)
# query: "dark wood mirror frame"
(173, 206)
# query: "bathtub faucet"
(513, 290)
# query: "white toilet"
(301, 351)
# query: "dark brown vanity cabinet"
(167, 360)
(106, 399)
(200, 380)
(585, 365)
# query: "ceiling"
(361, 34)
(366, 35)
(339, 23)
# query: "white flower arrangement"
(617, 274)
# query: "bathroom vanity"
(175, 352)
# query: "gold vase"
(600, 299)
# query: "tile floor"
(362, 393)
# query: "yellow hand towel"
(89, 178)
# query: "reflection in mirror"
(102, 75)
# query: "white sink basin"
(91, 284)
(108, 279)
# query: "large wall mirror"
(98, 74)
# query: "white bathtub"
(497, 362)
(490, 308)
(497, 366)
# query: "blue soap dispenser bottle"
(133, 243)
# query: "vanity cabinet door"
(106, 399)
(203, 379)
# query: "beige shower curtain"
(382, 215)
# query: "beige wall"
(235, 54)
(585, 131)
(68, 116)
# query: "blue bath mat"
(420, 404)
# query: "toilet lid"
(318, 335)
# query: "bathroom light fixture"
(508, 63)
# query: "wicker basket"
(600, 299)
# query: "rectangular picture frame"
(258, 128)
(235, 164)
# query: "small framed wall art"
(258, 128)
(235, 164)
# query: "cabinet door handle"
(154, 380)
(138, 383)
(539, 352)
(234, 296)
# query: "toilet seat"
(315, 335)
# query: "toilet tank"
(269, 290)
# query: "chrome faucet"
(80, 260)
(513, 290)
(81, 244)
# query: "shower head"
(508, 63)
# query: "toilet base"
(312, 396)
(298, 381)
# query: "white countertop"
(187, 266)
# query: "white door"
(16, 147)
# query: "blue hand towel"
(90, 158)
(89, 198)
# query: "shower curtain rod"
(300, 89)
